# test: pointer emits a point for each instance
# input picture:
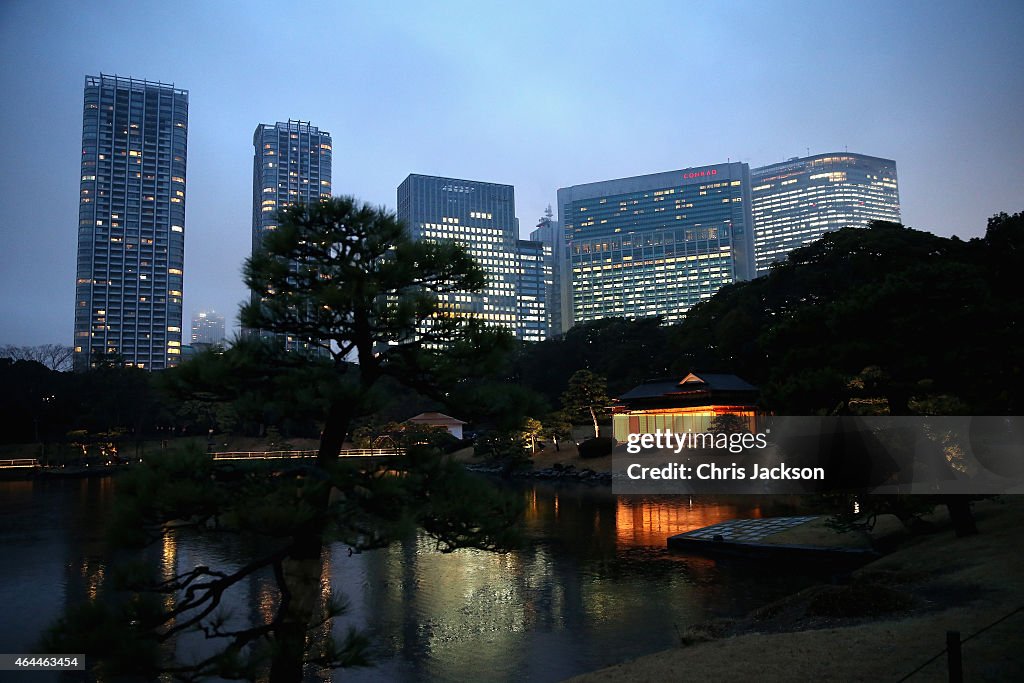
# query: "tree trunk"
(333, 437)
(300, 574)
(299, 580)
(593, 416)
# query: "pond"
(593, 586)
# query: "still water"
(593, 586)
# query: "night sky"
(537, 95)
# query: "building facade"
(207, 328)
(481, 217)
(131, 223)
(549, 232)
(797, 201)
(655, 245)
(291, 165)
(531, 289)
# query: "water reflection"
(594, 584)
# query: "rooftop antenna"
(808, 151)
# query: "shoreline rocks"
(556, 472)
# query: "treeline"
(879, 320)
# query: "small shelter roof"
(435, 419)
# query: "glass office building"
(797, 201)
(531, 289)
(655, 245)
(131, 223)
(551, 235)
(481, 217)
(291, 165)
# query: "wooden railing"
(19, 463)
(289, 455)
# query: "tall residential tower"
(798, 201)
(291, 165)
(131, 223)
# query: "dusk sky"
(538, 95)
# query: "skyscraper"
(655, 245)
(798, 201)
(291, 165)
(481, 217)
(207, 328)
(131, 223)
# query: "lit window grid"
(653, 252)
(480, 217)
(797, 202)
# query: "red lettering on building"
(700, 174)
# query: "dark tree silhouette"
(345, 278)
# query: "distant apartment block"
(131, 223)
(655, 245)
(207, 328)
(481, 217)
(797, 201)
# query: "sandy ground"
(948, 583)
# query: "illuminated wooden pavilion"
(689, 404)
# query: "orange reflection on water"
(169, 563)
(648, 522)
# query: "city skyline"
(496, 107)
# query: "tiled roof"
(690, 383)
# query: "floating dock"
(758, 539)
